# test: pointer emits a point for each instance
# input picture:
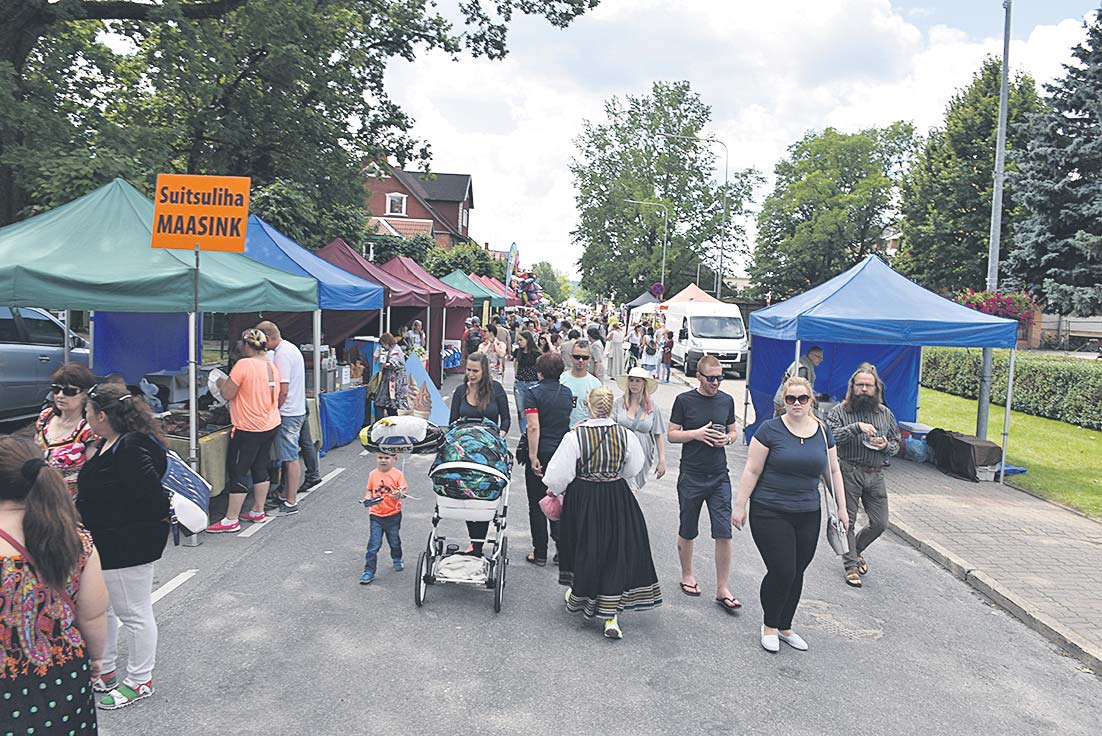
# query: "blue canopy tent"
(873, 314)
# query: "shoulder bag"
(835, 532)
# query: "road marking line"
(257, 526)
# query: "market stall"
(480, 291)
(457, 303)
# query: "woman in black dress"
(480, 397)
(604, 548)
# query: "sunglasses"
(801, 400)
(56, 389)
(580, 357)
(712, 379)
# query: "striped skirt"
(604, 551)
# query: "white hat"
(637, 372)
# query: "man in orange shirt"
(386, 487)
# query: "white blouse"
(564, 463)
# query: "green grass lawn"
(1064, 461)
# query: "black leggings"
(247, 459)
(537, 520)
(786, 541)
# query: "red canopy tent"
(404, 300)
(511, 299)
(457, 303)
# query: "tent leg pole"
(388, 325)
(798, 358)
(68, 342)
(317, 355)
(1006, 417)
(193, 392)
(91, 340)
(746, 391)
(381, 330)
(918, 405)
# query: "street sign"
(200, 212)
(657, 289)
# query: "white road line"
(173, 584)
(255, 527)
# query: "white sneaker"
(795, 641)
(770, 642)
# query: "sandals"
(853, 578)
(125, 694)
(690, 589)
(862, 566)
(729, 604)
(538, 561)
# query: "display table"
(342, 416)
(213, 449)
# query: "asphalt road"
(271, 634)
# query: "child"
(386, 487)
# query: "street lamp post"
(665, 231)
(726, 169)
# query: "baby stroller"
(470, 477)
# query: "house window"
(463, 212)
(396, 204)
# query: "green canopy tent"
(463, 282)
(94, 253)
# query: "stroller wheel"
(420, 581)
(499, 581)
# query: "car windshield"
(717, 327)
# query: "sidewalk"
(1038, 561)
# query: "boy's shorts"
(286, 444)
(693, 492)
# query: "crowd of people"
(83, 515)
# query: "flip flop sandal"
(862, 566)
(538, 561)
(729, 604)
(853, 579)
(690, 590)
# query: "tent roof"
(94, 253)
(399, 292)
(408, 269)
(871, 303)
(511, 299)
(645, 298)
(337, 289)
(480, 291)
(693, 293)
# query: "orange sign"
(209, 210)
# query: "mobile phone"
(717, 427)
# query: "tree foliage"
(835, 194)
(946, 195)
(386, 247)
(625, 158)
(556, 286)
(1057, 245)
(468, 258)
(289, 93)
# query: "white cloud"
(770, 71)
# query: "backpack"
(474, 339)
(652, 347)
(473, 462)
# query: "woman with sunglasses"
(61, 430)
(787, 457)
(122, 503)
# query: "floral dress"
(45, 680)
(67, 453)
(394, 385)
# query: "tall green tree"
(625, 158)
(555, 285)
(1056, 252)
(289, 93)
(386, 247)
(832, 200)
(946, 195)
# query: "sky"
(770, 71)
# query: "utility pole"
(996, 226)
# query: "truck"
(701, 329)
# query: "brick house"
(407, 203)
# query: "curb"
(1073, 644)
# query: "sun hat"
(637, 372)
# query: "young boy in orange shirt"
(386, 487)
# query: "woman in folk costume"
(604, 548)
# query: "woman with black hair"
(122, 503)
(61, 430)
(524, 363)
(53, 602)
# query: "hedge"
(1066, 389)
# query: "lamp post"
(665, 230)
(726, 164)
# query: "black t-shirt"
(553, 402)
(693, 410)
(497, 411)
(526, 364)
(790, 479)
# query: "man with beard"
(866, 434)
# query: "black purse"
(835, 532)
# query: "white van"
(701, 329)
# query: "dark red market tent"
(458, 303)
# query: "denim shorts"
(693, 492)
(286, 444)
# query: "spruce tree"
(1057, 247)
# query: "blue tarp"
(337, 289)
(134, 344)
(872, 304)
(342, 416)
(871, 314)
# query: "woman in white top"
(635, 339)
(651, 351)
(415, 335)
(636, 411)
(604, 548)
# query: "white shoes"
(770, 642)
(795, 641)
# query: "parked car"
(707, 329)
(32, 347)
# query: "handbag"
(835, 532)
(551, 507)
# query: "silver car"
(32, 347)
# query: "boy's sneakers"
(125, 694)
(106, 682)
(274, 500)
(367, 577)
(398, 566)
(254, 516)
(287, 509)
(225, 526)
